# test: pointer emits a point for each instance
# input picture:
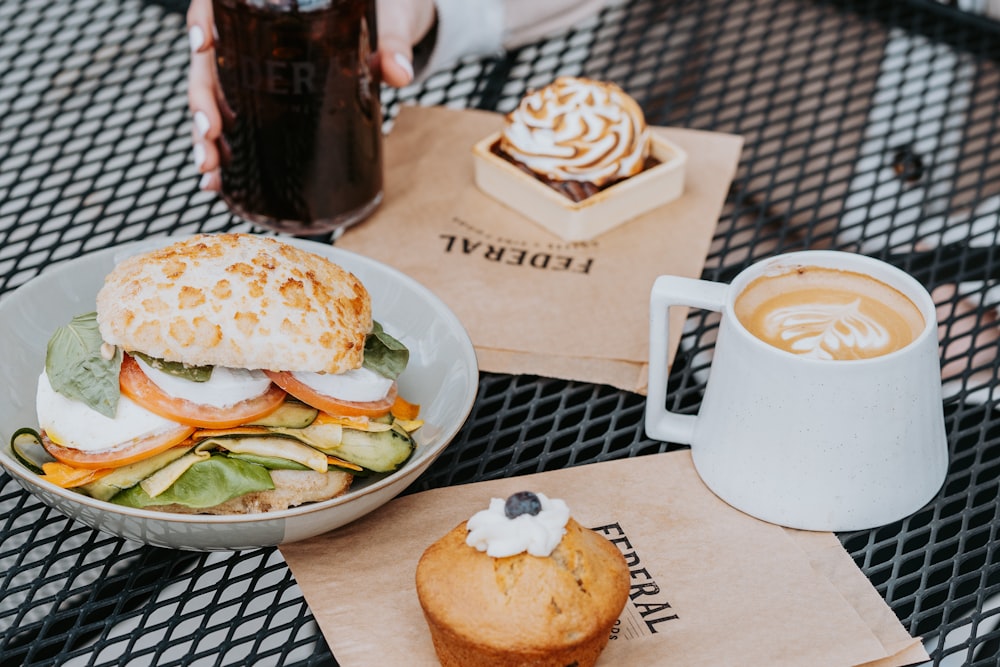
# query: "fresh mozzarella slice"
(359, 385)
(226, 387)
(72, 423)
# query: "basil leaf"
(77, 369)
(384, 354)
(177, 368)
(205, 484)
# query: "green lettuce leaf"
(384, 354)
(77, 369)
(205, 484)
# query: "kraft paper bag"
(533, 303)
(710, 585)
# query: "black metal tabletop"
(870, 127)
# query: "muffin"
(578, 136)
(521, 583)
(578, 158)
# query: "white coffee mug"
(807, 443)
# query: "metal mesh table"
(869, 126)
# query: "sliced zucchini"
(26, 444)
(378, 451)
(358, 422)
(291, 414)
(163, 479)
(269, 462)
(324, 437)
(409, 425)
(278, 447)
(128, 476)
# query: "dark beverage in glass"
(302, 123)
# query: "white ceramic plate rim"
(339, 255)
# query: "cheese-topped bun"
(240, 301)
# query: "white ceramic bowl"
(442, 377)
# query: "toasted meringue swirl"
(577, 129)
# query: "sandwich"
(222, 374)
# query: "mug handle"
(668, 291)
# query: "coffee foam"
(829, 314)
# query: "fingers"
(206, 126)
(200, 22)
(205, 154)
(395, 45)
(210, 181)
(205, 113)
(401, 24)
(396, 62)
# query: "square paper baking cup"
(595, 215)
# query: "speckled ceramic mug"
(807, 442)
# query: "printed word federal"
(646, 596)
(514, 256)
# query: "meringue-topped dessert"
(578, 158)
(578, 136)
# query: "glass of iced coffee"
(301, 145)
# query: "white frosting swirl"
(491, 531)
(577, 129)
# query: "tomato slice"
(137, 386)
(334, 406)
(136, 450)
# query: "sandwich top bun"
(237, 300)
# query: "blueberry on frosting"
(522, 502)
(525, 522)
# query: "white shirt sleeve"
(488, 27)
(466, 28)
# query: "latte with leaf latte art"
(828, 314)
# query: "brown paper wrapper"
(710, 585)
(533, 303)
